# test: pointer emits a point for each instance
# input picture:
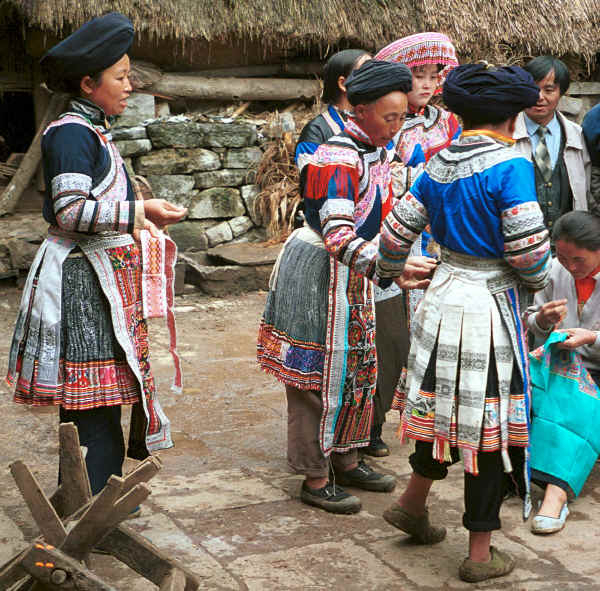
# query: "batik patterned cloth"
(291, 340)
(347, 191)
(480, 202)
(92, 211)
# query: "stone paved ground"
(226, 505)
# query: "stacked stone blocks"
(208, 167)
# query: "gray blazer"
(576, 158)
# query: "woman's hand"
(551, 314)
(162, 213)
(148, 225)
(577, 337)
(417, 273)
(412, 283)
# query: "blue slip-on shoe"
(542, 524)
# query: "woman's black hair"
(476, 123)
(579, 227)
(539, 67)
(71, 86)
(339, 64)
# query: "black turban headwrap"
(95, 46)
(485, 94)
(375, 79)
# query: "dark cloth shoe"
(331, 498)
(363, 476)
(417, 527)
(377, 448)
(501, 564)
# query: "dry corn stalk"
(279, 198)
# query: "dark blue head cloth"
(489, 94)
(591, 132)
(95, 46)
(375, 79)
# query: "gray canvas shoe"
(363, 476)
(332, 498)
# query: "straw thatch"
(497, 29)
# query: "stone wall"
(579, 99)
(207, 166)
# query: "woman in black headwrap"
(467, 377)
(332, 121)
(317, 332)
(80, 341)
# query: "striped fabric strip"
(400, 229)
(422, 426)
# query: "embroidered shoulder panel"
(465, 158)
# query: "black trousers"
(485, 492)
(100, 431)
(392, 342)
(542, 479)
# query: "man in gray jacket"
(591, 131)
(554, 144)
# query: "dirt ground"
(226, 505)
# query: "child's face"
(424, 83)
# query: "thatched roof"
(496, 29)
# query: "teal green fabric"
(565, 429)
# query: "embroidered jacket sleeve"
(526, 240)
(331, 189)
(400, 229)
(70, 154)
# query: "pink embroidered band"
(159, 256)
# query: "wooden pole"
(41, 98)
(74, 490)
(21, 179)
(42, 511)
(145, 74)
(241, 109)
(230, 89)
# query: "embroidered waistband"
(467, 261)
(496, 273)
(91, 241)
